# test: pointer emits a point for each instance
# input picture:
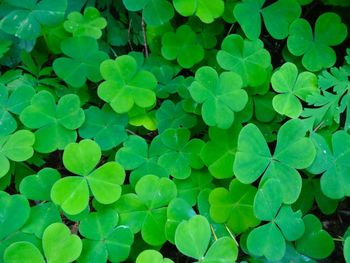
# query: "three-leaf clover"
(153, 256)
(26, 18)
(17, 147)
(105, 126)
(182, 46)
(277, 17)
(292, 86)
(82, 62)
(55, 124)
(316, 47)
(269, 239)
(293, 151)
(126, 84)
(14, 103)
(248, 58)
(206, 10)
(72, 192)
(147, 209)
(192, 238)
(221, 96)
(90, 24)
(170, 115)
(179, 153)
(155, 12)
(135, 155)
(234, 207)
(103, 238)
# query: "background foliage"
(167, 131)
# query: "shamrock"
(277, 17)
(170, 115)
(293, 151)
(292, 86)
(14, 103)
(221, 96)
(83, 61)
(153, 256)
(104, 239)
(105, 126)
(248, 58)
(179, 153)
(55, 124)
(206, 10)
(234, 207)
(25, 18)
(316, 47)
(72, 192)
(269, 239)
(146, 210)
(17, 147)
(90, 24)
(135, 155)
(126, 85)
(182, 46)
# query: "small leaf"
(23, 252)
(59, 245)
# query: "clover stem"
(144, 36)
(232, 236)
(213, 231)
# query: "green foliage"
(162, 131)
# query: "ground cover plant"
(155, 131)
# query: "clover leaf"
(135, 155)
(38, 186)
(23, 251)
(347, 249)
(155, 12)
(55, 124)
(293, 151)
(14, 212)
(334, 164)
(126, 85)
(153, 256)
(102, 234)
(221, 96)
(41, 216)
(178, 210)
(72, 192)
(277, 17)
(219, 152)
(292, 86)
(14, 103)
(315, 47)
(170, 115)
(59, 245)
(90, 24)
(315, 242)
(146, 211)
(25, 19)
(234, 207)
(269, 240)
(206, 10)
(180, 153)
(17, 147)
(182, 46)
(104, 126)
(248, 58)
(192, 238)
(82, 62)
